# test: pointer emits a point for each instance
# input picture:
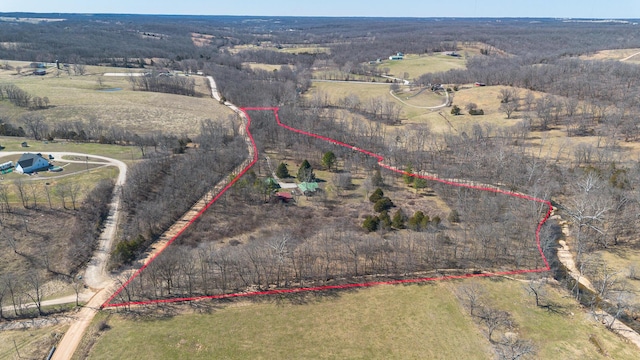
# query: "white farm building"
(29, 163)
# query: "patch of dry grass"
(32, 344)
(266, 67)
(614, 54)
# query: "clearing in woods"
(545, 205)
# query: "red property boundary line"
(331, 287)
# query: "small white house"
(397, 56)
(29, 163)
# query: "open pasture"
(111, 101)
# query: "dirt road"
(107, 285)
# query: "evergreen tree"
(419, 183)
(399, 219)
(371, 223)
(377, 195)
(328, 160)
(415, 222)
(305, 172)
(383, 204)
(408, 179)
(385, 220)
(282, 171)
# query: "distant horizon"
(480, 9)
(51, 14)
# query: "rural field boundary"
(452, 182)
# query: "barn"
(30, 163)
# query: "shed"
(285, 197)
(6, 165)
(30, 163)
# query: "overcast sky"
(397, 8)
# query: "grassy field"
(621, 261)
(419, 98)
(563, 335)
(78, 98)
(615, 54)
(385, 322)
(32, 344)
(123, 153)
(339, 90)
(416, 65)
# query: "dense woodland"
(596, 187)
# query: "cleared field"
(80, 98)
(416, 65)
(615, 54)
(286, 48)
(339, 90)
(386, 322)
(267, 67)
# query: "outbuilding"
(6, 165)
(30, 163)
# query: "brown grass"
(32, 343)
(614, 54)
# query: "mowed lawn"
(385, 322)
(416, 65)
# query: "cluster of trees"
(314, 251)
(164, 83)
(377, 109)
(7, 129)
(21, 98)
(159, 190)
(246, 87)
(47, 252)
(499, 325)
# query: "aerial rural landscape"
(306, 187)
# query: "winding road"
(107, 288)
